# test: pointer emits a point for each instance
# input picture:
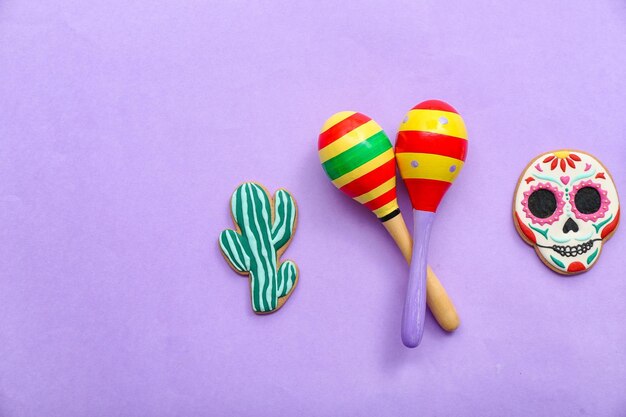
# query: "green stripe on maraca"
(357, 155)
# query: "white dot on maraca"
(443, 120)
(414, 164)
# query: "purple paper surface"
(126, 125)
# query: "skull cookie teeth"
(571, 251)
(565, 202)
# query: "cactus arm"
(287, 274)
(234, 250)
(284, 219)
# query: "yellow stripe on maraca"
(377, 192)
(435, 121)
(387, 208)
(364, 169)
(429, 166)
(353, 137)
(336, 118)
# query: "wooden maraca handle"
(437, 298)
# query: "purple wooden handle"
(415, 301)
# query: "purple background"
(126, 125)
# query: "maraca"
(430, 150)
(358, 158)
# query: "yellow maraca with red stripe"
(358, 157)
(430, 150)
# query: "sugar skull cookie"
(566, 206)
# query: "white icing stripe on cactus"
(287, 276)
(285, 218)
(267, 260)
(281, 279)
(281, 282)
(291, 278)
(268, 286)
(279, 218)
(239, 201)
(257, 278)
(270, 293)
(284, 197)
(261, 266)
(241, 258)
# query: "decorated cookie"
(566, 206)
(264, 228)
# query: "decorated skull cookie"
(566, 206)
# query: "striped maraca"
(430, 150)
(358, 158)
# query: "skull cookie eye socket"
(588, 200)
(542, 203)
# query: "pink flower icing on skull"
(566, 206)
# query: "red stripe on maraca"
(370, 180)
(436, 105)
(335, 132)
(426, 142)
(381, 200)
(426, 194)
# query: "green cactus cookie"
(264, 229)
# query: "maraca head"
(430, 150)
(357, 156)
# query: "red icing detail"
(609, 228)
(381, 200)
(571, 163)
(525, 229)
(426, 194)
(600, 175)
(335, 132)
(563, 164)
(554, 163)
(576, 267)
(549, 158)
(436, 105)
(371, 180)
(574, 157)
(529, 180)
(426, 142)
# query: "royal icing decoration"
(264, 228)
(566, 206)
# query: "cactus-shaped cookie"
(264, 229)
